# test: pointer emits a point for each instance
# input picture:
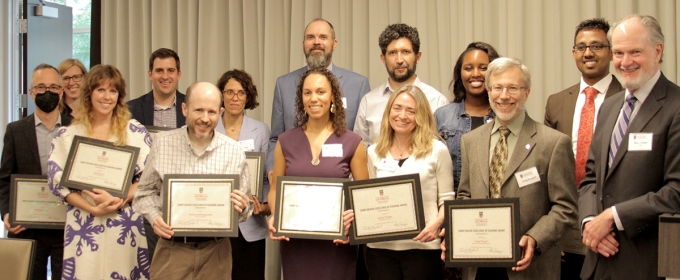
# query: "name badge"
(247, 145)
(344, 102)
(387, 165)
(331, 150)
(527, 177)
(640, 141)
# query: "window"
(82, 14)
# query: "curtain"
(264, 38)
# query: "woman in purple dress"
(319, 125)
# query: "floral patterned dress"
(112, 246)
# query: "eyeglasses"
(43, 88)
(76, 78)
(593, 47)
(511, 88)
(230, 94)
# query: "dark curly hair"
(337, 118)
(456, 86)
(396, 31)
(592, 24)
(246, 82)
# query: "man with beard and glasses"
(192, 149)
(25, 151)
(633, 168)
(318, 43)
(400, 47)
(572, 111)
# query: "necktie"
(585, 133)
(621, 127)
(498, 163)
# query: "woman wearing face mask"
(319, 125)
(104, 236)
(72, 72)
(470, 107)
(239, 93)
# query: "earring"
(332, 108)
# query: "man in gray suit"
(318, 43)
(572, 111)
(633, 169)
(515, 156)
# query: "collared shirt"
(372, 107)
(515, 128)
(44, 138)
(641, 94)
(601, 86)
(173, 153)
(165, 116)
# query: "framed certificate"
(309, 208)
(32, 204)
(388, 208)
(482, 232)
(200, 205)
(255, 162)
(93, 163)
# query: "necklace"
(316, 161)
(401, 152)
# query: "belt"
(194, 239)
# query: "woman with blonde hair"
(409, 143)
(72, 72)
(104, 236)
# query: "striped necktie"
(621, 127)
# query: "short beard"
(400, 79)
(318, 61)
(637, 83)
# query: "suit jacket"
(354, 87)
(142, 108)
(20, 154)
(255, 228)
(641, 184)
(547, 208)
(560, 108)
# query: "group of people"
(326, 122)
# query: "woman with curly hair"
(319, 123)
(104, 236)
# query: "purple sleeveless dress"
(317, 259)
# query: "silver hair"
(502, 64)
(649, 23)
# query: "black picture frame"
(44, 198)
(451, 210)
(382, 203)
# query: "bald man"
(192, 149)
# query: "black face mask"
(47, 101)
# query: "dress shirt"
(641, 94)
(173, 153)
(601, 86)
(515, 128)
(44, 138)
(165, 116)
(373, 104)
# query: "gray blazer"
(254, 228)
(547, 208)
(560, 108)
(641, 184)
(354, 87)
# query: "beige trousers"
(205, 260)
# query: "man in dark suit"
(162, 106)
(573, 110)
(633, 169)
(25, 151)
(515, 156)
